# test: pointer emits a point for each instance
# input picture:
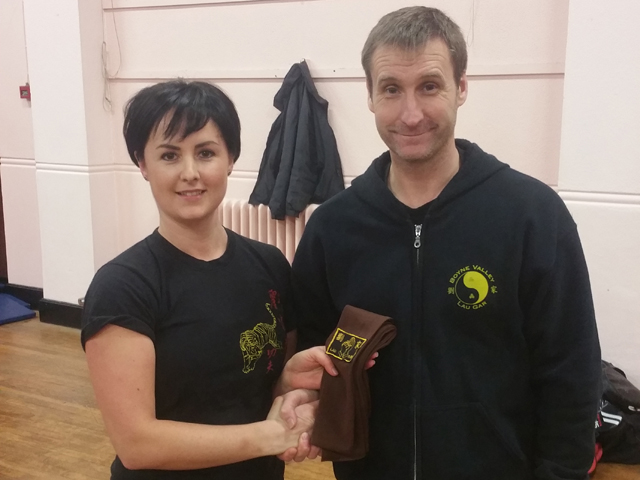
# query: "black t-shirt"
(218, 328)
(415, 214)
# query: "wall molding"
(120, 168)
(31, 295)
(121, 5)
(253, 176)
(56, 167)
(524, 70)
(17, 162)
(600, 197)
(60, 313)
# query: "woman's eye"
(169, 156)
(207, 154)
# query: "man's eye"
(169, 156)
(391, 90)
(430, 87)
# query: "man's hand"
(305, 368)
(299, 405)
(294, 399)
(305, 413)
(291, 439)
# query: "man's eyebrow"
(431, 75)
(386, 79)
(427, 76)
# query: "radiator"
(255, 222)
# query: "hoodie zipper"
(417, 244)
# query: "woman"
(186, 333)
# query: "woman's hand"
(293, 441)
(296, 403)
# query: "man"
(494, 373)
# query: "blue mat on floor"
(13, 309)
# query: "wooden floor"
(50, 428)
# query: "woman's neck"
(202, 240)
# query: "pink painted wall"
(535, 101)
(514, 108)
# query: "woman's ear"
(143, 167)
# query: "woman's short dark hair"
(190, 106)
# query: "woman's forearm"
(169, 445)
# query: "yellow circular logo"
(472, 288)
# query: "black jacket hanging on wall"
(300, 164)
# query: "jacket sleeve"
(314, 309)
(565, 353)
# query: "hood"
(298, 77)
(476, 167)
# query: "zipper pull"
(416, 242)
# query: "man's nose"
(411, 111)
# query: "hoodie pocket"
(461, 442)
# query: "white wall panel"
(137, 212)
(66, 230)
(121, 92)
(57, 90)
(600, 153)
(97, 115)
(515, 36)
(514, 108)
(517, 120)
(353, 124)
(104, 214)
(601, 126)
(262, 36)
(21, 222)
(610, 234)
(16, 128)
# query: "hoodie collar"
(476, 167)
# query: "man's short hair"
(188, 106)
(411, 28)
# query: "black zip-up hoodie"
(495, 371)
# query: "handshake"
(293, 413)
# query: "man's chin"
(410, 156)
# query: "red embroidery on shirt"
(275, 303)
(275, 300)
